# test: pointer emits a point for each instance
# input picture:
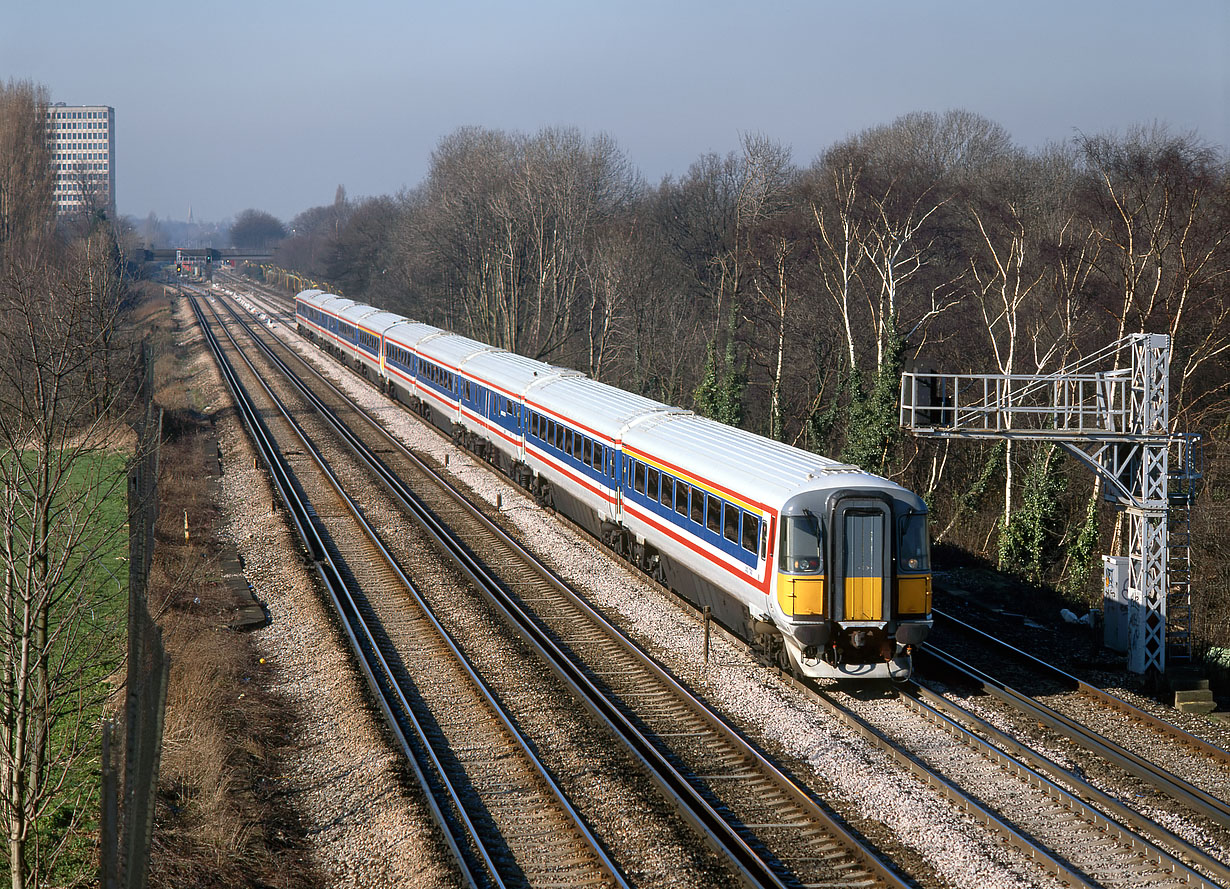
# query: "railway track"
(773, 830)
(1127, 783)
(1070, 831)
(524, 832)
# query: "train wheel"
(785, 662)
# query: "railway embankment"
(221, 817)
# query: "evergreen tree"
(719, 395)
(1030, 540)
(873, 426)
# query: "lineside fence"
(125, 829)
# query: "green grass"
(95, 607)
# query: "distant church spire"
(190, 214)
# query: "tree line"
(66, 388)
(787, 298)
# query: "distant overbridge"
(208, 254)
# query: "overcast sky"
(272, 104)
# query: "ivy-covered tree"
(1029, 542)
(720, 392)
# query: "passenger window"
(550, 432)
(597, 461)
(567, 440)
(713, 514)
(652, 484)
(698, 506)
(751, 532)
(638, 477)
(534, 425)
(559, 436)
(587, 453)
(681, 499)
(577, 439)
(668, 491)
(730, 526)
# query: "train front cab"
(854, 582)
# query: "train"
(822, 567)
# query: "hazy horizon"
(272, 106)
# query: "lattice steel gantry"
(1117, 422)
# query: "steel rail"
(946, 787)
(1199, 800)
(1032, 849)
(1196, 743)
(366, 646)
(1086, 795)
(755, 870)
(318, 553)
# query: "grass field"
(87, 627)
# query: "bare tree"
(1004, 284)
(501, 237)
(26, 176)
(838, 246)
(1160, 209)
(772, 284)
(56, 432)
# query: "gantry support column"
(1117, 422)
(1147, 534)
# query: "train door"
(861, 577)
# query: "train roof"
(509, 371)
(319, 298)
(408, 334)
(450, 349)
(768, 470)
(381, 321)
(358, 313)
(607, 411)
(334, 304)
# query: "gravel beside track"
(1201, 769)
(1207, 837)
(368, 827)
(938, 845)
(941, 846)
(638, 827)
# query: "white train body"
(825, 566)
